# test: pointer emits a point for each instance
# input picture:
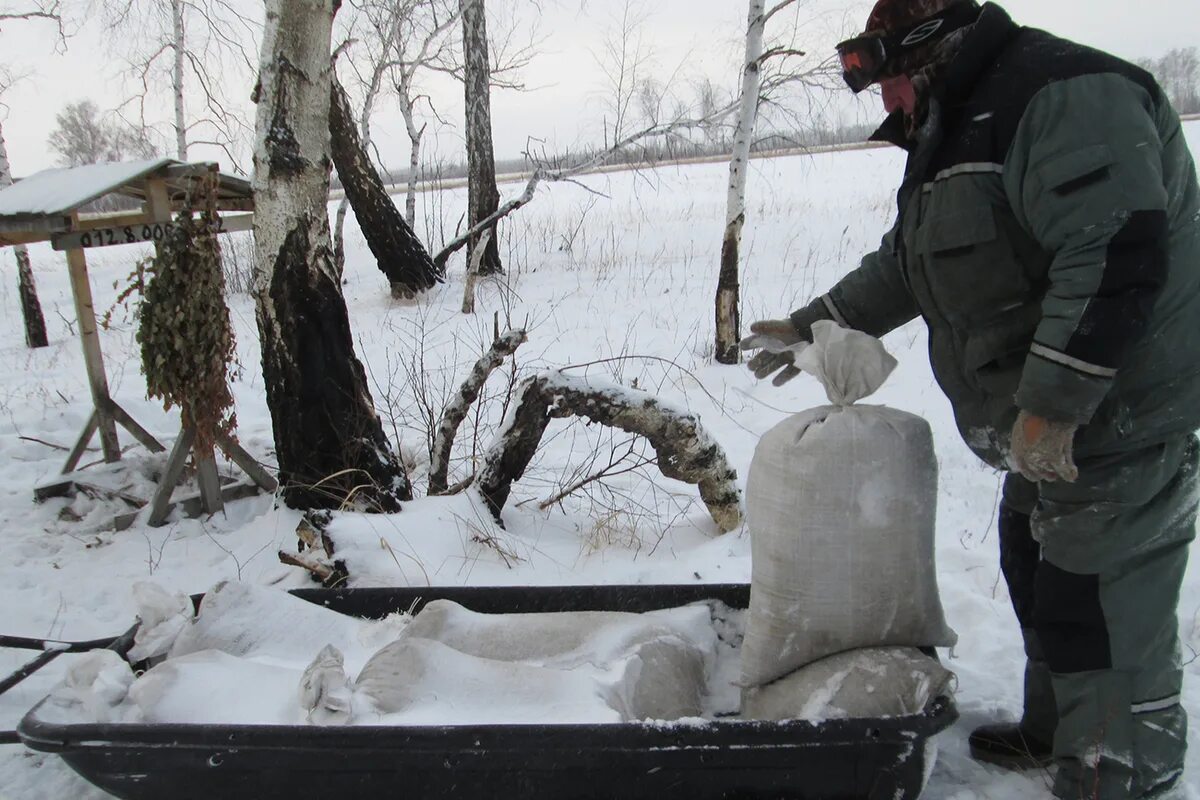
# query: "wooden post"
(92, 358)
(160, 504)
(89, 430)
(210, 485)
(239, 456)
(158, 200)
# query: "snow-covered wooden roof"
(43, 203)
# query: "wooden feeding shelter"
(48, 207)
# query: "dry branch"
(313, 538)
(684, 448)
(456, 411)
(473, 271)
(608, 471)
(322, 572)
(567, 173)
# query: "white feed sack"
(163, 616)
(325, 691)
(867, 683)
(214, 688)
(560, 638)
(423, 682)
(93, 690)
(654, 664)
(841, 505)
(251, 621)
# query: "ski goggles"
(863, 61)
(868, 58)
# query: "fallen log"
(685, 450)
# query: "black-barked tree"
(329, 442)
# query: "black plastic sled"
(867, 759)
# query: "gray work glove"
(1043, 450)
(779, 340)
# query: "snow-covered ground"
(620, 278)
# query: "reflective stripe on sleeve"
(1150, 706)
(1065, 360)
(833, 311)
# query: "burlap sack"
(871, 683)
(655, 662)
(841, 503)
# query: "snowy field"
(620, 281)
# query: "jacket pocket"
(972, 272)
(994, 355)
(1075, 170)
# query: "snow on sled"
(607, 749)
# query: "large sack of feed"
(560, 638)
(214, 688)
(872, 682)
(654, 663)
(423, 682)
(251, 621)
(841, 503)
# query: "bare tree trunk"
(415, 135)
(483, 198)
(414, 164)
(328, 439)
(727, 314)
(397, 250)
(31, 309)
(468, 304)
(339, 228)
(179, 47)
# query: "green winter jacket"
(1049, 235)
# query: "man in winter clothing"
(1048, 233)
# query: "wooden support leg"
(109, 443)
(89, 430)
(130, 424)
(210, 485)
(239, 456)
(160, 504)
(81, 290)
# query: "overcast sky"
(565, 105)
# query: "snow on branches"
(685, 450)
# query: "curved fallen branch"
(456, 411)
(685, 450)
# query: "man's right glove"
(1043, 450)
(778, 341)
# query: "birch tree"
(330, 444)
(197, 48)
(624, 57)
(397, 250)
(403, 39)
(570, 168)
(755, 91)
(483, 197)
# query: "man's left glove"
(777, 341)
(780, 340)
(1044, 450)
